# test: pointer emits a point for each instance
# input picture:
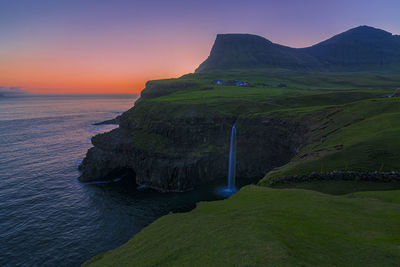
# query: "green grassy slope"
(352, 128)
(360, 136)
(173, 98)
(342, 187)
(386, 196)
(260, 226)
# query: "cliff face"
(178, 153)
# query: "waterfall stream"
(231, 188)
(232, 160)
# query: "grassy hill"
(359, 136)
(332, 223)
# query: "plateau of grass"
(303, 90)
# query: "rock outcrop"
(112, 121)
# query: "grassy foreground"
(260, 226)
(342, 187)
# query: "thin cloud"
(11, 90)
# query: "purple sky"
(131, 41)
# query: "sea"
(48, 217)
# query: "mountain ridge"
(359, 48)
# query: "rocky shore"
(116, 121)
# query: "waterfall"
(232, 160)
(231, 188)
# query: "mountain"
(235, 51)
(363, 47)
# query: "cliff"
(176, 137)
(177, 152)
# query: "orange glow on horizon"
(67, 80)
(84, 69)
(83, 85)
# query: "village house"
(219, 82)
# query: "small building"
(387, 95)
(395, 94)
(219, 82)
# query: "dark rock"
(116, 120)
(191, 150)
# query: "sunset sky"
(115, 46)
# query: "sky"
(115, 46)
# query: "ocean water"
(49, 218)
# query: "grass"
(360, 136)
(196, 91)
(261, 226)
(386, 196)
(341, 187)
(242, 101)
